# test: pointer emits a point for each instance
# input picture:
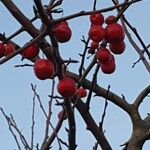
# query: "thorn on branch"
(35, 10)
(136, 62)
(123, 97)
(59, 10)
(83, 40)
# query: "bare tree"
(48, 39)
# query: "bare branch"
(91, 88)
(141, 96)
(99, 91)
(72, 125)
(49, 113)
(12, 132)
(43, 15)
(92, 126)
(24, 65)
(20, 50)
(85, 13)
(104, 112)
(147, 121)
(33, 122)
(133, 43)
(44, 111)
(11, 122)
(20, 17)
(83, 57)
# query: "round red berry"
(110, 19)
(114, 33)
(66, 87)
(94, 45)
(97, 19)
(31, 52)
(104, 55)
(2, 50)
(110, 67)
(81, 92)
(62, 32)
(9, 49)
(97, 33)
(117, 48)
(43, 69)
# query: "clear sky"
(15, 83)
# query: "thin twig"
(12, 132)
(86, 42)
(91, 88)
(33, 121)
(85, 13)
(104, 112)
(44, 111)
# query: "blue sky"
(16, 93)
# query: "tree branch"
(72, 125)
(85, 13)
(99, 91)
(141, 96)
(20, 17)
(92, 126)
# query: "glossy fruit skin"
(66, 87)
(110, 19)
(110, 67)
(97, 19)
(81, 92)
(117, 48)
(114, 33)
(9, 49)
(31, 52)
(94, 45)
(104, 55)
(43, 69)
(60, 114)
(62, 32)
(2, 50)
(97, 33)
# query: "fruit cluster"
(44, 69)
(113, 34)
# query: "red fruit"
(114, 33)
(60, 114)
(2, 50)
(94, 45)
(66, 87)
(81, 92)
(117, 48)
(103, 55)
(31, 52)
(43, 69)
(110, 19)
(97, 19)
(62, 32)
(9, 49)
(109, 67)
(97, 33)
